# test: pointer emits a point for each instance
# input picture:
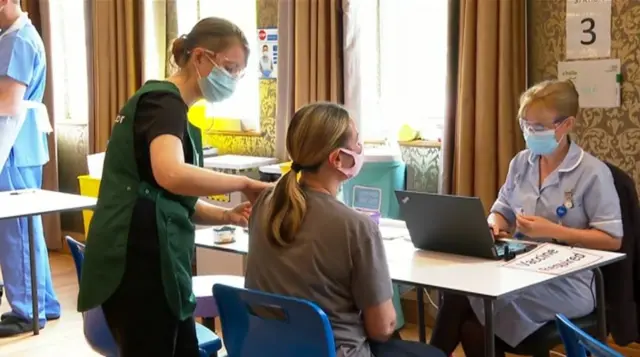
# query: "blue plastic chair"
(255, 323)
(96, 330)
(577, 342)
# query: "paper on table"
(391, 232)
(553, 259)
(596, 81)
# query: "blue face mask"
(217, 86)
(542, 142)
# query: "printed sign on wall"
(268, 52)
(588, 29)
(597, 82)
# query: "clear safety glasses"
(528, 127)
(233, 69)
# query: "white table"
(486, 279)
(29, 203)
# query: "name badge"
(568, 199)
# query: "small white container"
(224, 235)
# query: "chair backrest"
(96, 330)
(619, 277)
(77, 252)
(577, 342)
(255, 323)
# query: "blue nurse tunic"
(586, 182)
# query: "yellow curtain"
(310, 61)
(115, 62)
(487, 74)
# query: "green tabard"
(120, 188)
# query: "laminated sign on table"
(554, 259)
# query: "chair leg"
(210, 323)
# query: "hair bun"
(179, 49)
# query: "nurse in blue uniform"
(554, 191)
(22, 85)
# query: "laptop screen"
(367, 198)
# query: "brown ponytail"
(314, 132)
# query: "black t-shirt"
(158, 113)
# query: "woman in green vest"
(141, 241)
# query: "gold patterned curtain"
(38, 11)
(310, 65)
(115, 64)
(487, 74)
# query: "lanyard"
(16, 26)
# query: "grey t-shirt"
(337, 261)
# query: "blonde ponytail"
(314, 132)
(285, 211)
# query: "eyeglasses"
(233, 69)
(528, 127)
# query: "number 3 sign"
(588, 29)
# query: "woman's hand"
(498, 225)
(239, 215)
(254, 188)
(536, 226)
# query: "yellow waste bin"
(89, 186)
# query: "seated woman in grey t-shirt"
(307, 244)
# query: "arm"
(602, 206)
(372, 288)
(11, 96)
(502, 216)
(16, 72)
(208, 214)
(592, 238)
(161, 118)
(180, 178)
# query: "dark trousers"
(138, 314)
(396, 347)
(456, 323)
(142, 323)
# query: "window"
(245, 102)
(402, 67)
(69, 61)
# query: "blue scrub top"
(23, 59)
(582, 184)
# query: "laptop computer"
(452, 224)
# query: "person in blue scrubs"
(22, 79)
(554, 191)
